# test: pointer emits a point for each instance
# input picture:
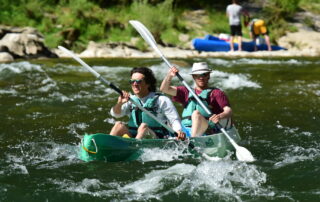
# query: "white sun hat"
(200, 68)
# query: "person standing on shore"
(143, 84)
(195, 121)
(258, 27)
(234, 12)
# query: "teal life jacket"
(193, 105)
(137, 117)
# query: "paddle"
(113, 86)
(96, 74)
(242, 153)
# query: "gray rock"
(6, 57)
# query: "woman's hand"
(124, 98)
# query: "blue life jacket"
(137, 117)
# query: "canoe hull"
(103, 147)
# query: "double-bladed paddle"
(242, 153)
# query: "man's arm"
(165, 85)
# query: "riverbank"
(124, 51)
(28, 43)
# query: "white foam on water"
(109, 121)
(233, 81)
(220, 79)
(294, 154)
(72, 128)
(293, 131)
(42, 155)
(48, 84)
(92, 187)
(228, 179)
(298, 152)
(166, 155)
(16, 165)
(9, 92)
(20, 67)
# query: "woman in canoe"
(193, 114)
(143, 84)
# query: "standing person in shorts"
(234, 12)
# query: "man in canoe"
(195, 120)
(143, 84)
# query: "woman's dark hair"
(148, 77)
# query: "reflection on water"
(47, 106)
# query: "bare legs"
(199, 124)
(268, 42)
(120, 129)
(239, 43)
(231, 44)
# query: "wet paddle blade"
(244, 155)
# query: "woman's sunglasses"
(138, 81)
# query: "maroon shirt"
(217, 101)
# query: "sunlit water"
(47, 106)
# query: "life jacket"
(137, 116)
(193, 105)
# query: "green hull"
(111, 148)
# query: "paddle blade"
(244, 155)
(146, 35)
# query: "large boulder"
(6, 57)
(24, 42)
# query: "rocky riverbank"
(23, 43)
(26, 43)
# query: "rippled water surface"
(48, 105)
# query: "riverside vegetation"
(73, 23)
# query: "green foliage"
(281, 9)
(107, 21)
(157, 18)
(119, 35)
(277, 13)
(171, 36)
(218, 22)
(311, 5)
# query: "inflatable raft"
(212, 43)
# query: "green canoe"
(112, 148)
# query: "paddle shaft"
(105, 81)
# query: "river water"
(48, 105)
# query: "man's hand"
(173, 71)
(215, 118)
(181, 135)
